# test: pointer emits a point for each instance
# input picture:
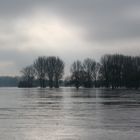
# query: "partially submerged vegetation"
(113, 71)
(47, 70)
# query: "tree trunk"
(56, 83)
(51, 83)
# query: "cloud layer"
(66, 28)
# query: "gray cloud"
(102, 19)
(91, 28)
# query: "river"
(69, 114)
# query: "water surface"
(68, 114)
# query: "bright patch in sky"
(69, 29)
(46, 33)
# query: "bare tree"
(58, 71)
(89, 67)
(50, 68)
(96, 73)
(40, 70)
(105, 70)
(120, 71)
(28, 75)
(77, 73)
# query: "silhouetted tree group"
(84, 74)
(113, 71)
(120, 71)
(28, 74)
(44, 69)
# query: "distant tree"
(28, 74)
(137, 72)
(40, 70)
(105, 70)
(120, 71)
(132, 74)
(96, 73)
(77, 73)
(89, 67)
(50, 65)
(58, 71)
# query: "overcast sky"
(71, 29)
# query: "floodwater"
(68, 114)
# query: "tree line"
(44, 69)
(120, 71)
(113, 71)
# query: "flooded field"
(68, 114)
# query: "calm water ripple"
(68, 114)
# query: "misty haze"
(69, 70)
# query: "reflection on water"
(68, 114)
